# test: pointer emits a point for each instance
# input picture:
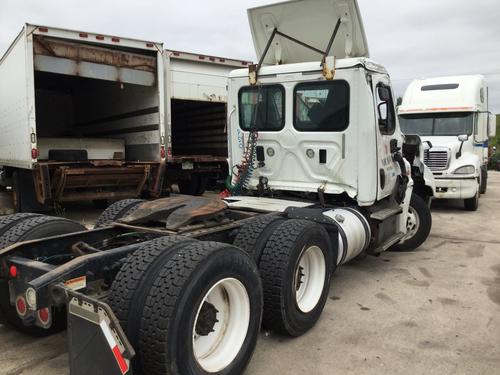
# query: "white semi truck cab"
(451, 114)
(320, 126)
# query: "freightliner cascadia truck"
(451, 114)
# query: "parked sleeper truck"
(87, 116)
(181, 285)
(452, 115)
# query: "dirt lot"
(433, 311)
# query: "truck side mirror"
(382, 114)
(462, 138)
(384, 93)
(385, 109)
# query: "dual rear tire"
(296, 263)
(189, 307)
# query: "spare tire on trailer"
(117, 211)
(27, 228)
(296, 268)
(254, 233)
(131, 285)
(203, 312)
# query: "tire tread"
(117, 210)
(252, 231)
(20, 230)
(134, 278)
(162, 300)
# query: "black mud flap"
(97, 344)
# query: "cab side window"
(385, 109)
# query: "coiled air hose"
(238, 180)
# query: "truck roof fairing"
(445, 94)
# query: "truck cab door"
(388, 135)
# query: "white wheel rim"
(412, 223)
(309, 280)
(216, 350)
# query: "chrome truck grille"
(437, 159)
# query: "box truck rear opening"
(196, 92)
(82, 117)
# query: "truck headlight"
(466, 169)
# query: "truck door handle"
(322, 156)
(261, 157)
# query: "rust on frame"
(67, 183)
(98, 55)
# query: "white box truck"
(451, 113)
(196, 105)
(87, 116)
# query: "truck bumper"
(456, 188)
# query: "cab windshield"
(437, 124)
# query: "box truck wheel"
(23, 193)
(195, 186)
(30, 228)
(254, 233)
(203, 312)
(295, 267)
(117, 210)
(418, 224)
(484, 180)
(472, 204)
(100, 204)
(131, 285)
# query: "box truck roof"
(201, 58)
(84, 36)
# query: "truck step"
(394, 239)
(385, 213)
